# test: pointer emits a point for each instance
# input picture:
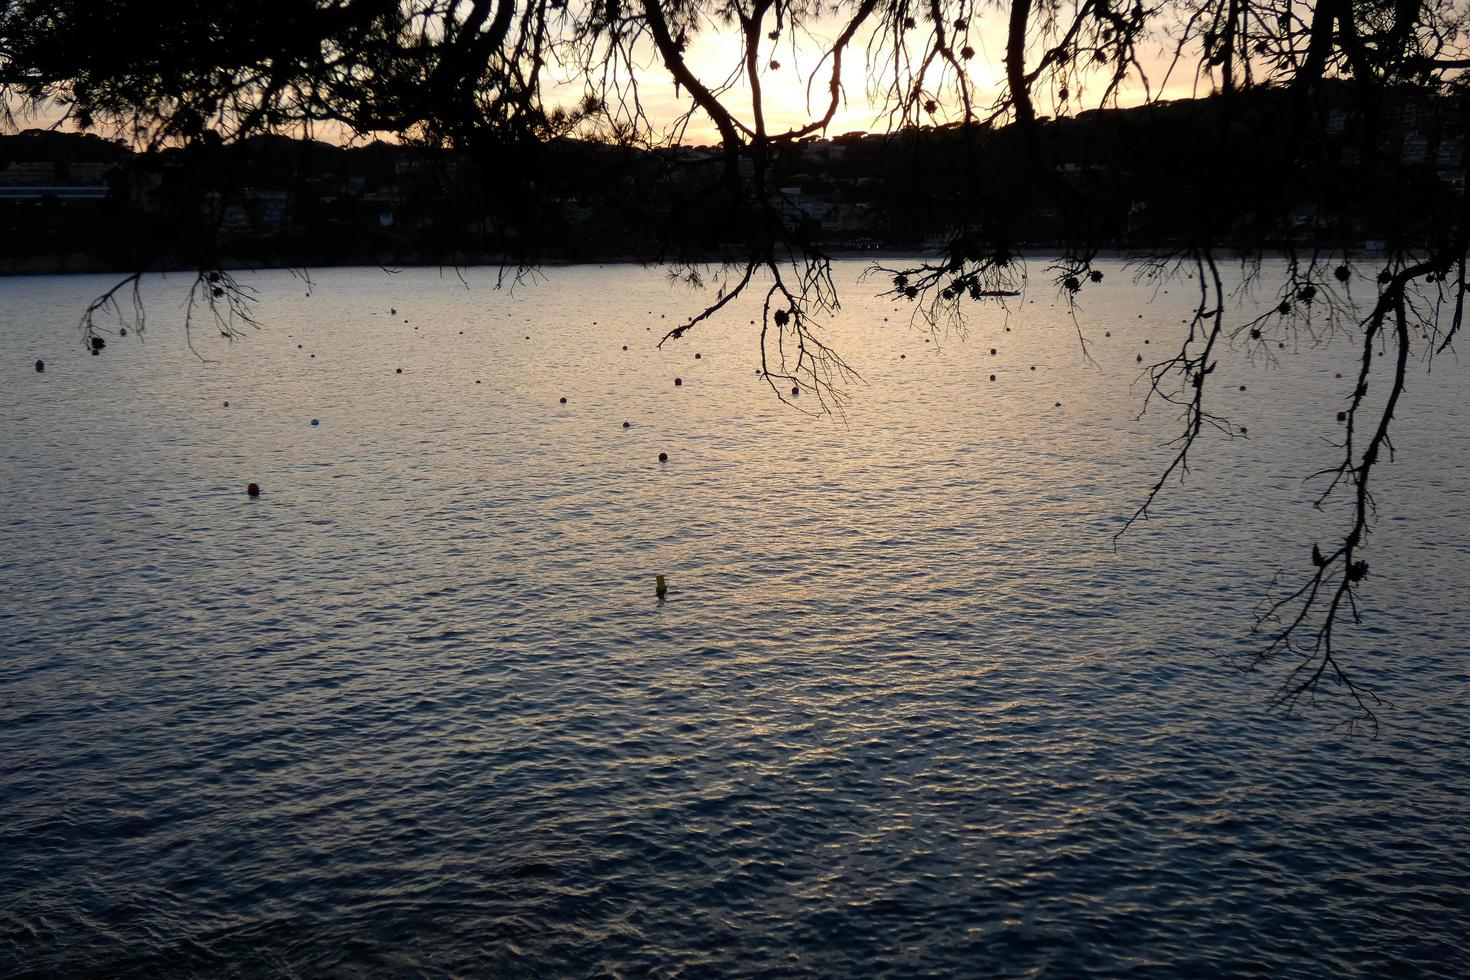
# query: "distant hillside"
(1231, 170)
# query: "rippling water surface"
(904, 711)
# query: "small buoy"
(1242, 387)
(1242, 430)
(678, 382)
(1140, 358)
(992, 352)
(316, 422)
(477, 381)
(1058, 405)
(1033, 367)
(528, 336)
(227, 404)
(461, 333)
(659, 588)
(992, 377)
(1145, 340)
(626, 424)
(41, 368)
(122, 331)
(563, 400)
(663, 457)
(313, 356)
(398, 371)
(1339, 374)
(1107, 333)
(298, 346)
(795, 390)
(902, 357)
(1342, 416)
(696, 356)
(625, 347)
(393, 311)
(253, 490)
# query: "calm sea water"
(903, 712)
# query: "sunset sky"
(793, 97)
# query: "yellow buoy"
(659, 588)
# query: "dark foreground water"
(904, 711)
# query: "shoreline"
(86, 265)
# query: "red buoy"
(663, 457)
(678, 382)
(253, 490)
